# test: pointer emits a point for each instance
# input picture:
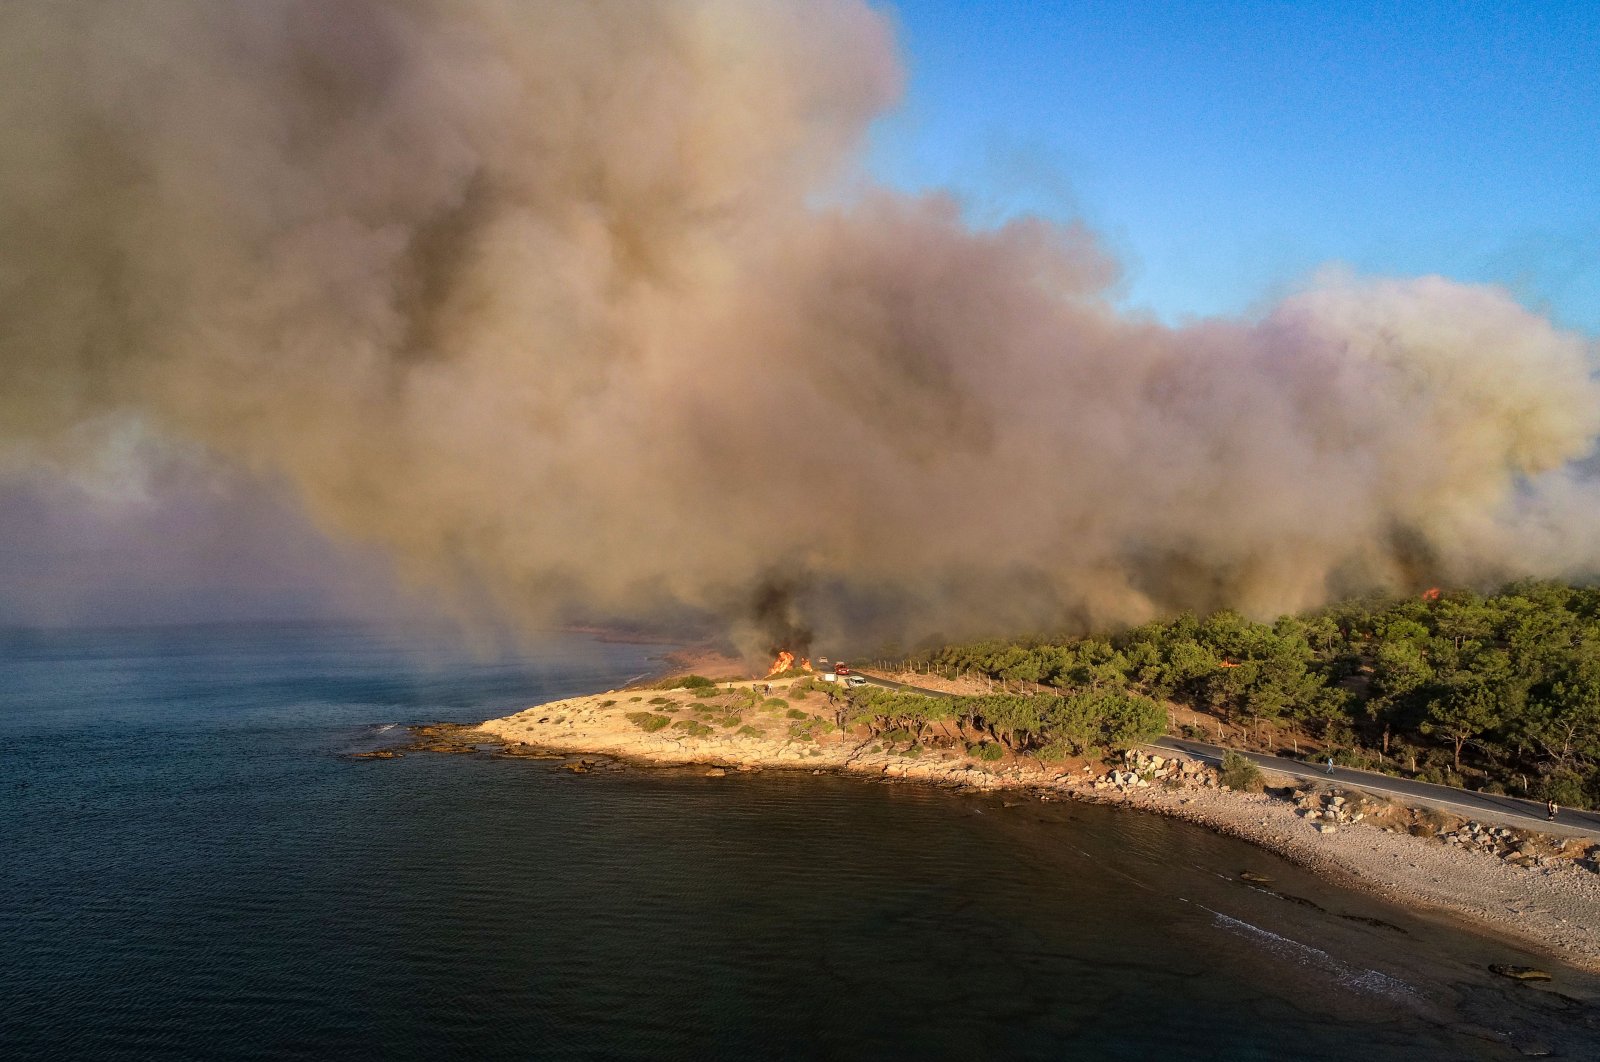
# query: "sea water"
(192, 867)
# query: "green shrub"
(1056, 751)
(795, 713)
(752, 731)
(692, 728)
(687, 682)
(660, 700)
(705, 692)
(635, 700)
(649, 722)
(773, 704)
(1359, 758)
(1240, 774)
(1564, 787)
(728, 722)
(608, 704)
(987, 750)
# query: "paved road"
(1505, 810)
(1510, 811)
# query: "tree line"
(1500, 692)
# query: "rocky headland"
(1524, 886)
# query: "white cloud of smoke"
(547, 300)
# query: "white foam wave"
(1358, 978)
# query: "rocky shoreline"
(1524, 887)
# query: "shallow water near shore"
(192, 870)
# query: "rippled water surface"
(190, 869)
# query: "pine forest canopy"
(1498, 691)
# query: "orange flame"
(784, 662)
(1431, 594)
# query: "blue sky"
(1225, 151)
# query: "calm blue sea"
(190, 868)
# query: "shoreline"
(1550, 905)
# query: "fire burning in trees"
(1431, 594)
(785, 661)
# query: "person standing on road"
(1551, 807)
(1330, 764)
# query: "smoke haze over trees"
(588, 309)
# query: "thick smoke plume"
(584, 306)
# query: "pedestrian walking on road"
(1551, 807)
(1330, 764)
